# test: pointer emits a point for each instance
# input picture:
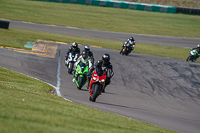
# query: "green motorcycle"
(193, 55)
(81, 75)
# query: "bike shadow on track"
(106, 92)
(132, 55)
(121, 106)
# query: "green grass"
(101, 18)
(18, 37)
(27, 106)
(42, 111)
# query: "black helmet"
(98, 65)
(84, 54)
(87, 48)
(75, 45)
(131, 39)
(105, 58)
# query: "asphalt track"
(158, 90)
(140, 38)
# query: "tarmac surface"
(140, 38)
(157, 90)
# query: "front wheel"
(123, 51)
(95, 92)
(80, 82)
(189, 58)
(70, 68)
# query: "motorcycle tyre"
(80, 82)
(123, 51)
(95, 92)
(187, 58)
(190, 58)
(70, 68)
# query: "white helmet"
(87, 48)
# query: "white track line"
(58, 74)
(58, 78)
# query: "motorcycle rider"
(84, 58)
(198, 50)
(131, 42)
(196, 53)
(90, 54)
(74, 48)
(106, 66)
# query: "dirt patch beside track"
(45, 48)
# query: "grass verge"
(26, 106)
(101, 18)
(18, 37)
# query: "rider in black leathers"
(75, 48)
(106, 65)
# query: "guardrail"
(121, 4)
(132, 5)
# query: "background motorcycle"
(193, 55)
(72, 58)
(97, 84)
(126, 49)
(81, 75)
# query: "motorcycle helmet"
(131, 39)
(99, 68)
(198, 46)
(74, 45)
(87, 48)
(98, 65)
(106, 58)
(84, 54)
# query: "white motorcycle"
(72, 58)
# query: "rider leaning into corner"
(84, 58)
(131, 42)
(198, 49)
(74, 48)
(106, 66)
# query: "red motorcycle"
(97, 84)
